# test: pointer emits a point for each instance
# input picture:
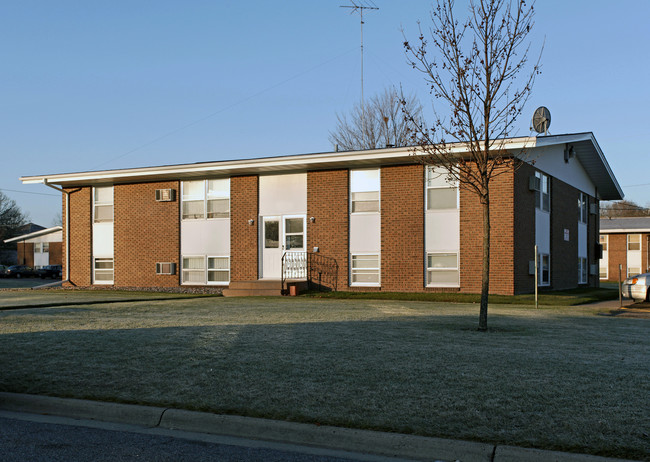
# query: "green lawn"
(555, 378)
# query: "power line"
(29, 192)
(236, 103)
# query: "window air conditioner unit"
(165, 268)
(165, 195)
(534, 183)
(593, 209)
(593, 270)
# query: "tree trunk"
(485, 278)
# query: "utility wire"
(29, 192)
(243, 100)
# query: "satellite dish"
(541, 120)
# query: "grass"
(555, 378)
(570, 297)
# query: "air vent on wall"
(593, 270)
(534, 183)
(593, 209)
(165, 268)
(165, 195)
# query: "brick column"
(80, 235)
(244, 248)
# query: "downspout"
(67, 229)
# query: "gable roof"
(625, 225)
(587, 151)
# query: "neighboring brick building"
(39, 248)
(625, 242)
(359, 220)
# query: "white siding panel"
(365, 233)
(103, 240)
(41, 259)
(283, 194)
(582, 240)
(550, 160)
(205, 237)
(442, 231)
(543, 231)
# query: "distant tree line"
(618, 209)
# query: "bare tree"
(11, 217)
(617, 209)
(381, 124)
(479, 72)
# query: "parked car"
(636, 287)
(19, 271)
(3, 271)
(50, 271)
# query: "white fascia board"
(625, 231)
(41, 232)
(299, 162)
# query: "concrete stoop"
(262, 287)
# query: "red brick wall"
(80, 235)
(56, 253)
(501, 237)
(524, 229)
(327, 202)
(593, 233)
(402, 228)
(25, 253)
(145, 232)
(617, 254)
(244, 249)
(564, 254)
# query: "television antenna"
(541, 120)
(358, 8)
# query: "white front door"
(278, 235)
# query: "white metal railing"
(294, 265)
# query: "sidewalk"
(406, 447)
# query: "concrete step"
(256, 285)
(251, 292)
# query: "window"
(218, 198)
(582, 270)
(440, 193)
(545, 270)
(218, 270)
(193, 270)
(46, 247)
(37, 247)
(543, 195)
(603, 241)
(365, 269)
(103, 204)
(442, 270)
(633, 242)
(633, 271)
(603, 272)
(294, 233)
(582, 207)
(206, 199)
(103, 271)
(364, 191)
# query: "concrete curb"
(299, 434)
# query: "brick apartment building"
(626, 242)
(357, 220)
(39, 248)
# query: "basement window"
(442, 270)
(193, 270)
(103, 271)
(365, 270)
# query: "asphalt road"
(47, 440)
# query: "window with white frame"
(582, 207)
(543, 194)
(442, 192)
(37, 247)
(103, 271)
(364, 269)
(103, 204)
(603, 270)
(193, 271)
(205, 199)
(582, 270)
(45, 247)
(218, 270)
(633, 271)
(545, 269)
(442, 270)
(633, 242)
(364, 190)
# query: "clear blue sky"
(101, 85)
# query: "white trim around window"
(543, 195)
(102, 204)
(544, 270)
(440, 194)
(582, 208)
(205, 199)
(205, 270)
(365, 190)
(443, 269)
(582, 270)
(103, 271)
(365, 270)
